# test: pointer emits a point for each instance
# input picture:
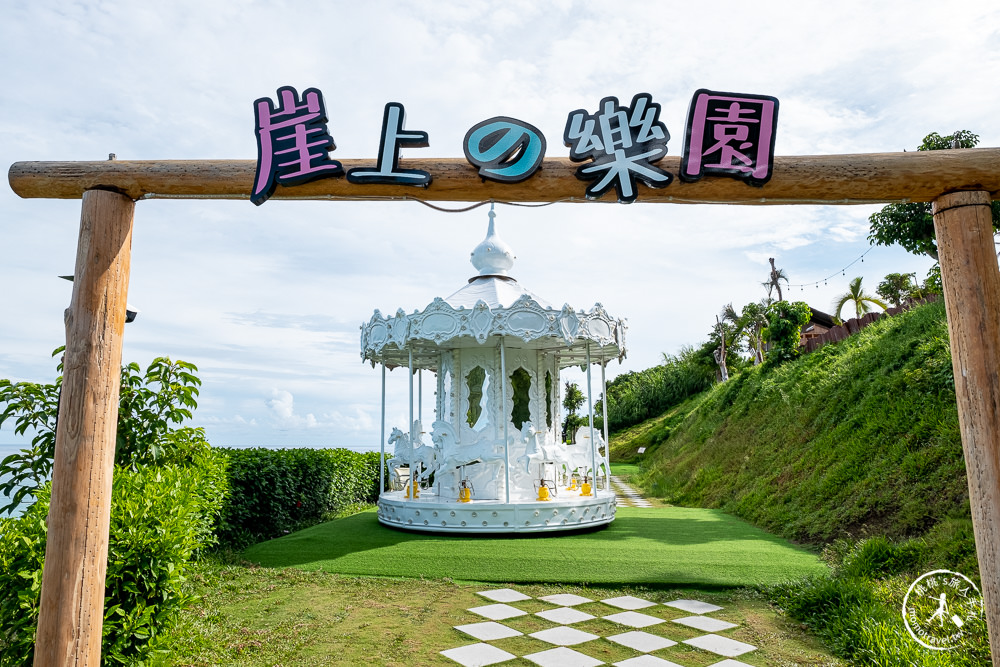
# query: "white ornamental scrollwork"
(525, 318)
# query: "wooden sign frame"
(960, 183)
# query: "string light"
(843, 272)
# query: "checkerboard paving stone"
(498, 612)
(634, 619)
(562, 657)
(563, 636)
(565, 599)
(693, 606)
(629, 602)
(705, 623)
(565, 615)
(477, 655)
(504, 595)
(641, 641)
(728, 648)
(646, 661)
(488, 631)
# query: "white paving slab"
(634, 619)
(641, 641)
(477, 655)
(646, 661)
(498, 612)
(562, 657)
(488, 630)
(565, 599)
(724, 646)
(565, 615)
(705, 623)
(504, 595)
(563, 636)
(693, 606)
(729, 663)
(628, 602)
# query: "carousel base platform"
(430, 513)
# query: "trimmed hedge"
(161, 519)
(276, 491)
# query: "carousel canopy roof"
(491, 306)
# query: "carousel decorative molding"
(494, 459)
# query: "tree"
(856, 296)
(573, 400)
(932, 283)
(151, 405)
(898, 287)
(911, 225)
(784, 329)
(749, 326)
(774, 281)
(720, 352)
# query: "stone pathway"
(669, 626)
(627, 496)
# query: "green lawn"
(661, 547)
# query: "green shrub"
(859, 618)
(276, 491)
(161, 518)
(879, 556)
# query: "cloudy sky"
(267, 301)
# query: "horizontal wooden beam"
(807, 179)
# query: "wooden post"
(963, 223)
(76, 555)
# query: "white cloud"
(269, 299)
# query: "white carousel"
(493, 460)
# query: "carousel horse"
(537, 450)
(422, 459)
(453, 455)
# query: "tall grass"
(858, 437)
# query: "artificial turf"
(660, 547)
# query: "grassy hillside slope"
(857, 438)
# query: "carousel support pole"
(413, 443)
(76, 556)
(503, 416)
(590, 412)
(558, 401)
(420, 396)
(963, 223)
(604, 415)
(381, 468)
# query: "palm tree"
(754, 319)
(774, 282)
(856, 295)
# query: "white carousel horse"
(422, 459)
(537, 450)
(452, 455)
(579, 456)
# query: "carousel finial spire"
(492, 257)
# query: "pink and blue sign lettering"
(505, 149)
(622, 143)
(292, 142)
(393, 136)
(730, 134)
